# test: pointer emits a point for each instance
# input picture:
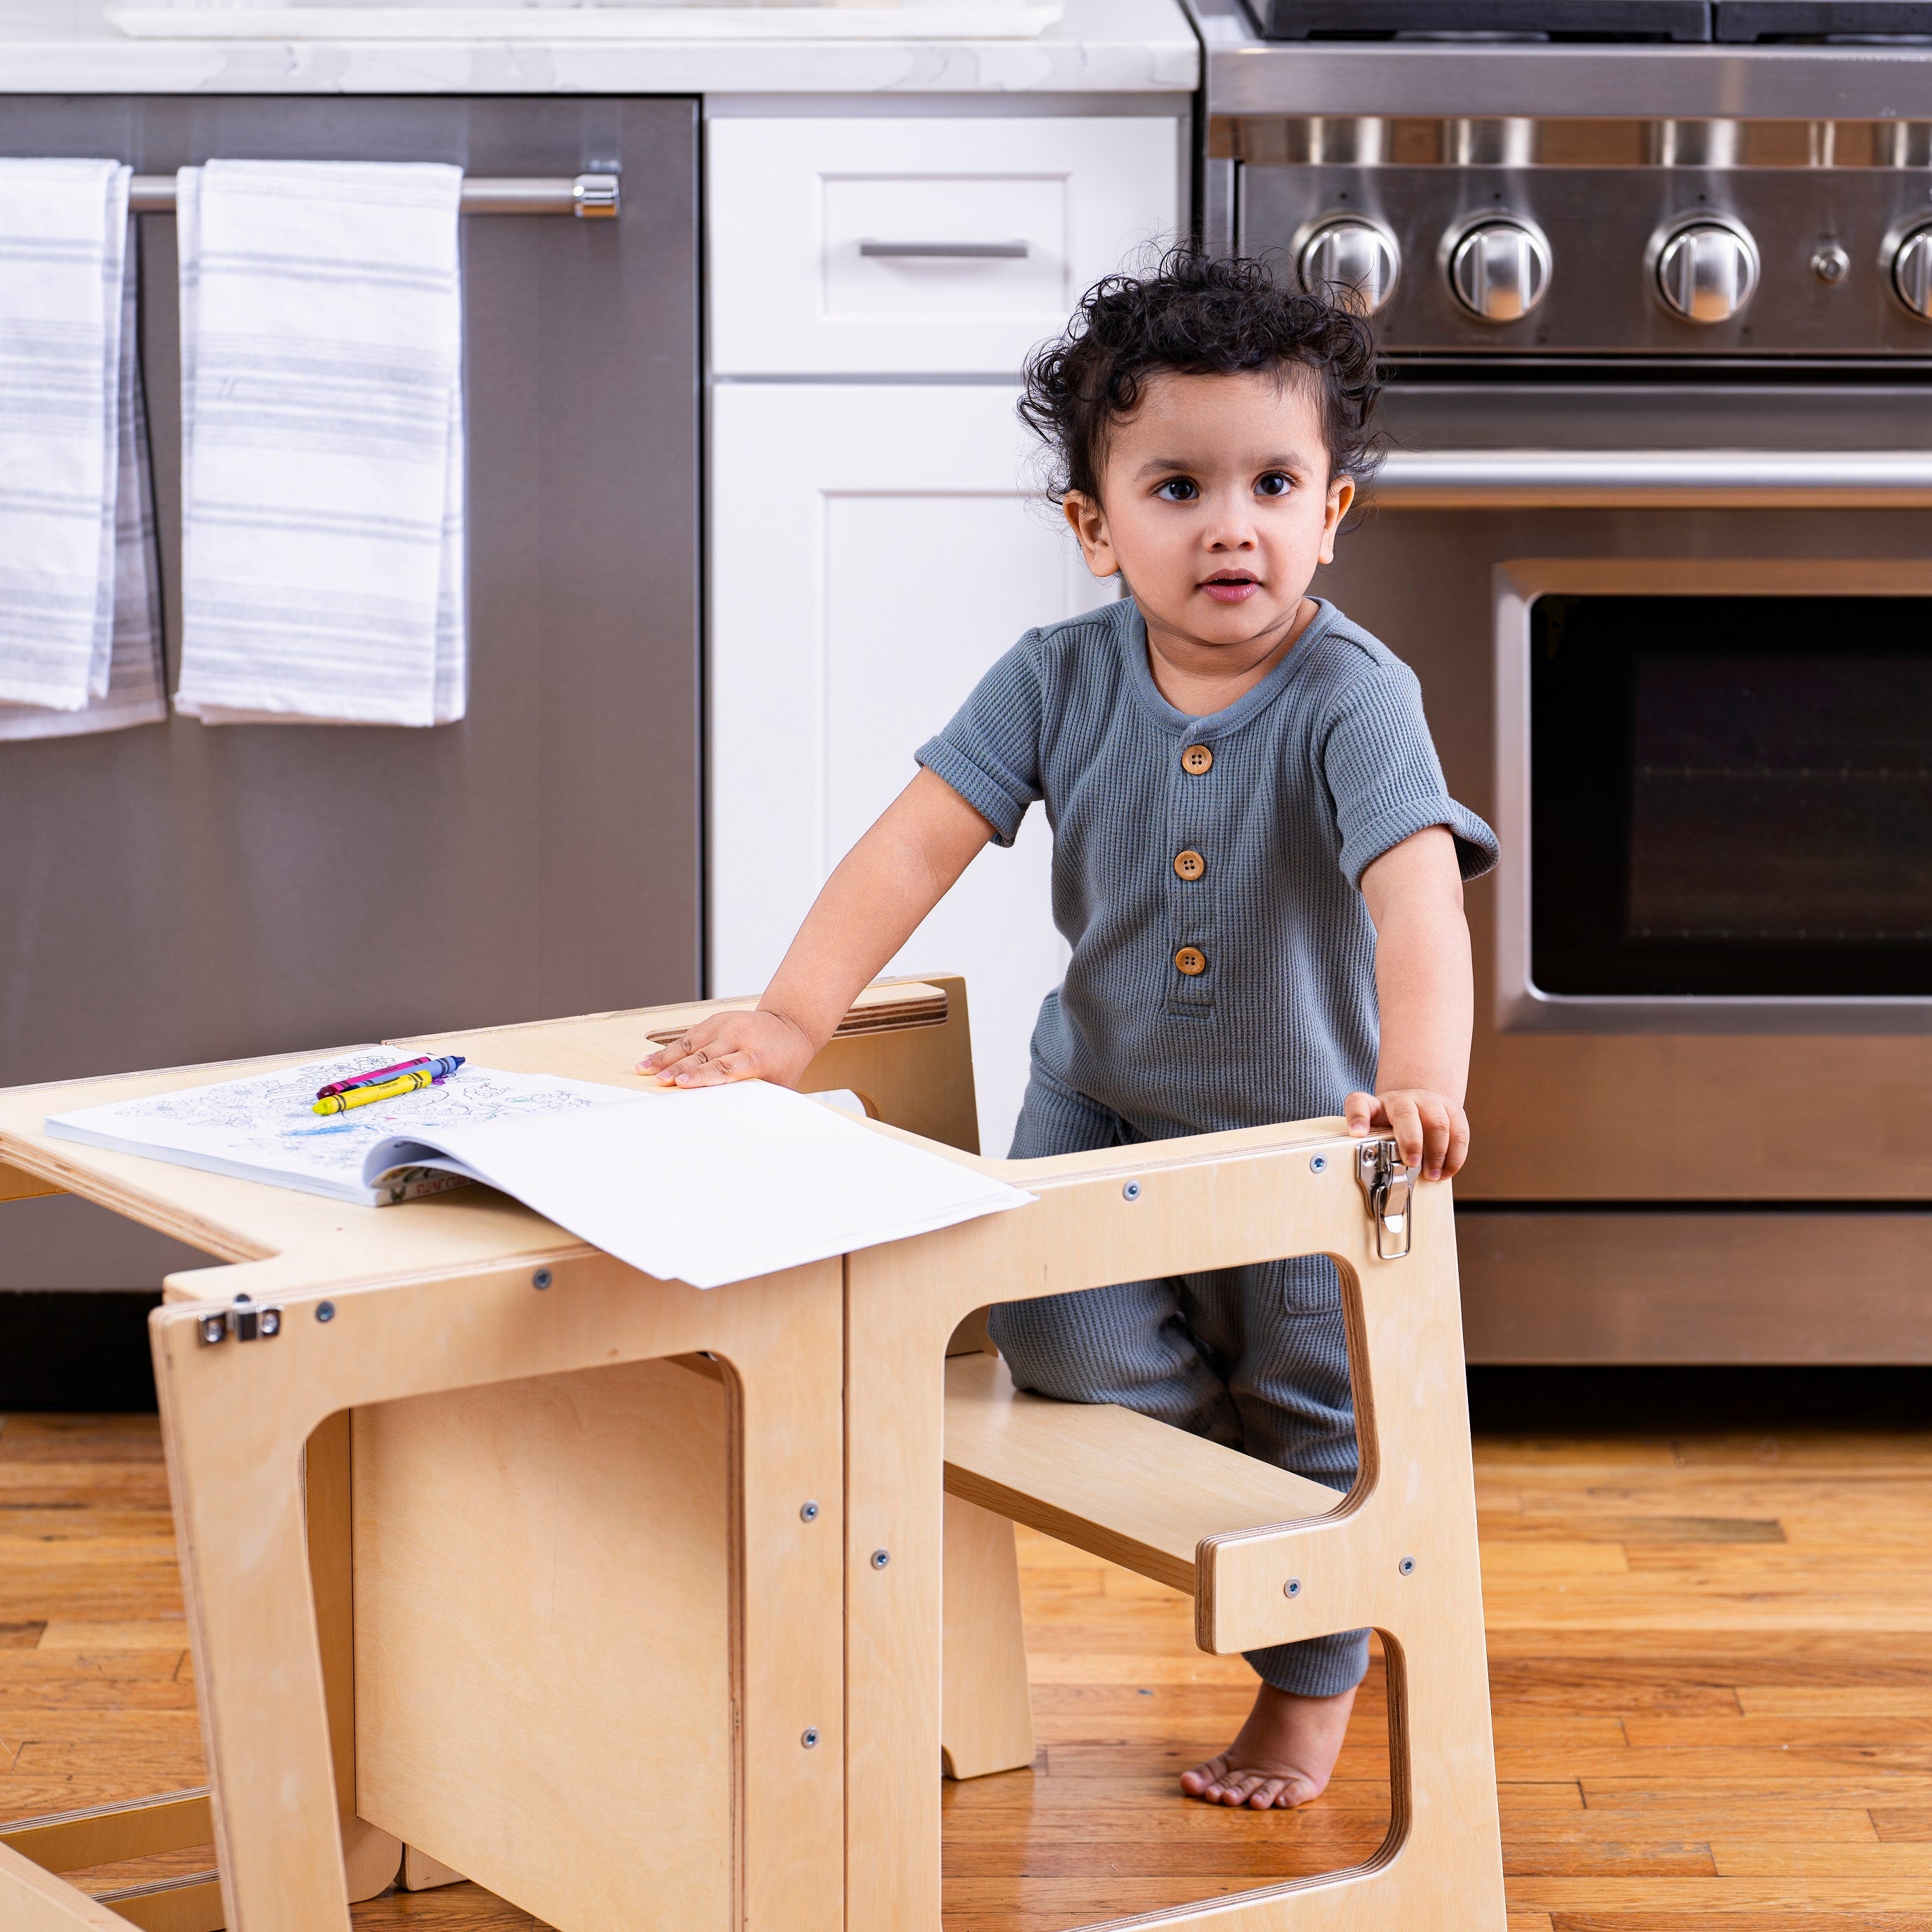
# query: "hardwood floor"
(1711, 1658)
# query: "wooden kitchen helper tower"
(651, 1608)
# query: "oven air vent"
(1498, 19)
(1829, 20)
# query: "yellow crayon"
(361, 1096)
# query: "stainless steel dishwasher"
(178, 893)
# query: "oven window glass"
(1731, 795)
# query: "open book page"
(708, 1187)
(264, 1127)
(715, 1184)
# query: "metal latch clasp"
(1391, 1188)
(243, 1320)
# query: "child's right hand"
(754, 1045)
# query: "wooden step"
(1122, 1486)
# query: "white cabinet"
(917, 246)
(874, 543)
(873, 548)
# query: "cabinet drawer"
(909, 247)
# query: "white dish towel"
(79, 625)
(322, 443)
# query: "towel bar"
(589, 197)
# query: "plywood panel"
(1124, 1486)
(543, 1641)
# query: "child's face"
(1216, 505)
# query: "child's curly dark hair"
(1196, 315)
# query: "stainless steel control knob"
(1499, 270)
(1358, 257)
(1912, 271)
(1707, 271)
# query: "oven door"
(1714, 786)
(1691, 683)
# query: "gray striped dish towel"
(322, 443)
(80, 624)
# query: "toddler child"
(1255, 863)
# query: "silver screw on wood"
(809, 1511)
(1406, 1566)
(1292, 1588)
(880, 1558)
(541, 1279)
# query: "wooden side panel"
(235, 1418)
(326, 1501)
(192, 1903)
(63, 1841)
(543, 1641)
(1213, 1201)
(33, 1900)
(986, 1721)
(421, 1872)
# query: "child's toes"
(1204, 1780)
(1272, 1793)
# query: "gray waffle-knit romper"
(1315, 773)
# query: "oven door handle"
(1644, 479)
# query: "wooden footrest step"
(1104, 1479)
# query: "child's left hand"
(1431, 1129)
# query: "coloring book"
(706, 1186)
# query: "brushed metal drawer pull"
(1452, 479)
(948, 251)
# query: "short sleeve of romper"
(1386, 780)
(990, 752)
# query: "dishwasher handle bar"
(590, 197)
(1642, 479)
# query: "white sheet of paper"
(717, 1184)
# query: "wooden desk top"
(293, 1241)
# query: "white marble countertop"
(1103, 47)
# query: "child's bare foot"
(1282, 1756)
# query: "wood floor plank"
(1849, 1701)
(1792, 1857)
(96, 1635)
(1501, 1526)
(1800, 1919)
(1853, 1900)
(453, 1908)
(1683, 1794)
(1909, 1825)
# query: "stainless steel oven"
(1656, 532)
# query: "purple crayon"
(439, 1069)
